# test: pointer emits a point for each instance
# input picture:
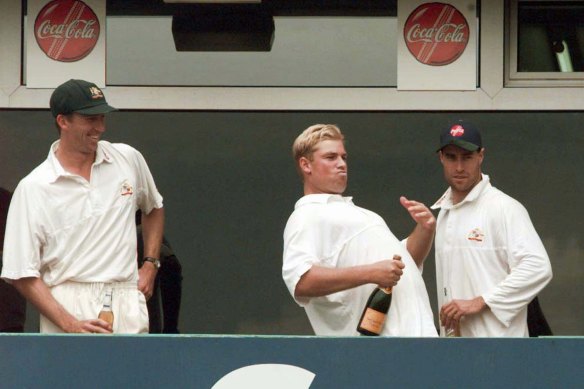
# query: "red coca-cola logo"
(66, 30)
(436, 34)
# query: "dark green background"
(229, 185)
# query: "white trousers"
(84, 300)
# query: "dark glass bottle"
(375, 312)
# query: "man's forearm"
(322, 281)
(152, 232)
(36, 291)
(419, 244)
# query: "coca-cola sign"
(436, 34)
(66, 30)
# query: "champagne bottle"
(106, 312)
(375, 312)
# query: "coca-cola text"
(445, 33)
(77, 29)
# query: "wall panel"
(229, 186)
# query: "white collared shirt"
(330, 231)
(487, 246)
(63, 228)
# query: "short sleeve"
(24, 237)
(148, 195)
(301, 252)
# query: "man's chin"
(461, 187)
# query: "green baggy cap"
(79, 96)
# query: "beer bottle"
(106, 313)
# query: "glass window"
(306, 51)
(545, 43)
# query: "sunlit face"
(326, 171)
(81, 133)
(462, 170)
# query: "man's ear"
(305, 166)
(61, 120)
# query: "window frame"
(514, 78)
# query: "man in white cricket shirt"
(336, 253)
(490, 261)
(71, 233)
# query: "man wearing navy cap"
(490, 261)
(71, 235)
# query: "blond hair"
(305, 144)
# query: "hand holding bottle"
(454, 311)
(387, 273)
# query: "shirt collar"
(322, 198)
(57, 170)
(101, 155)
(445, 201)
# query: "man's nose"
(459, 165)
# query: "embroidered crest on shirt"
(127, 189)
(476, 234)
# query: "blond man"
(336, 253)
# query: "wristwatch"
(154, 261)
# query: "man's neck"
(75, 162)
(457, 197)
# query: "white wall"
(490, 96)
(307, 51)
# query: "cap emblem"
(457, 130)
(95, 93)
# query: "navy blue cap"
(462, 134)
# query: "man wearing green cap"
(71, 235)
(490, 261)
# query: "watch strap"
(153, 260)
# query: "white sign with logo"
(267, 376)
(437, 45)
(65, 39)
